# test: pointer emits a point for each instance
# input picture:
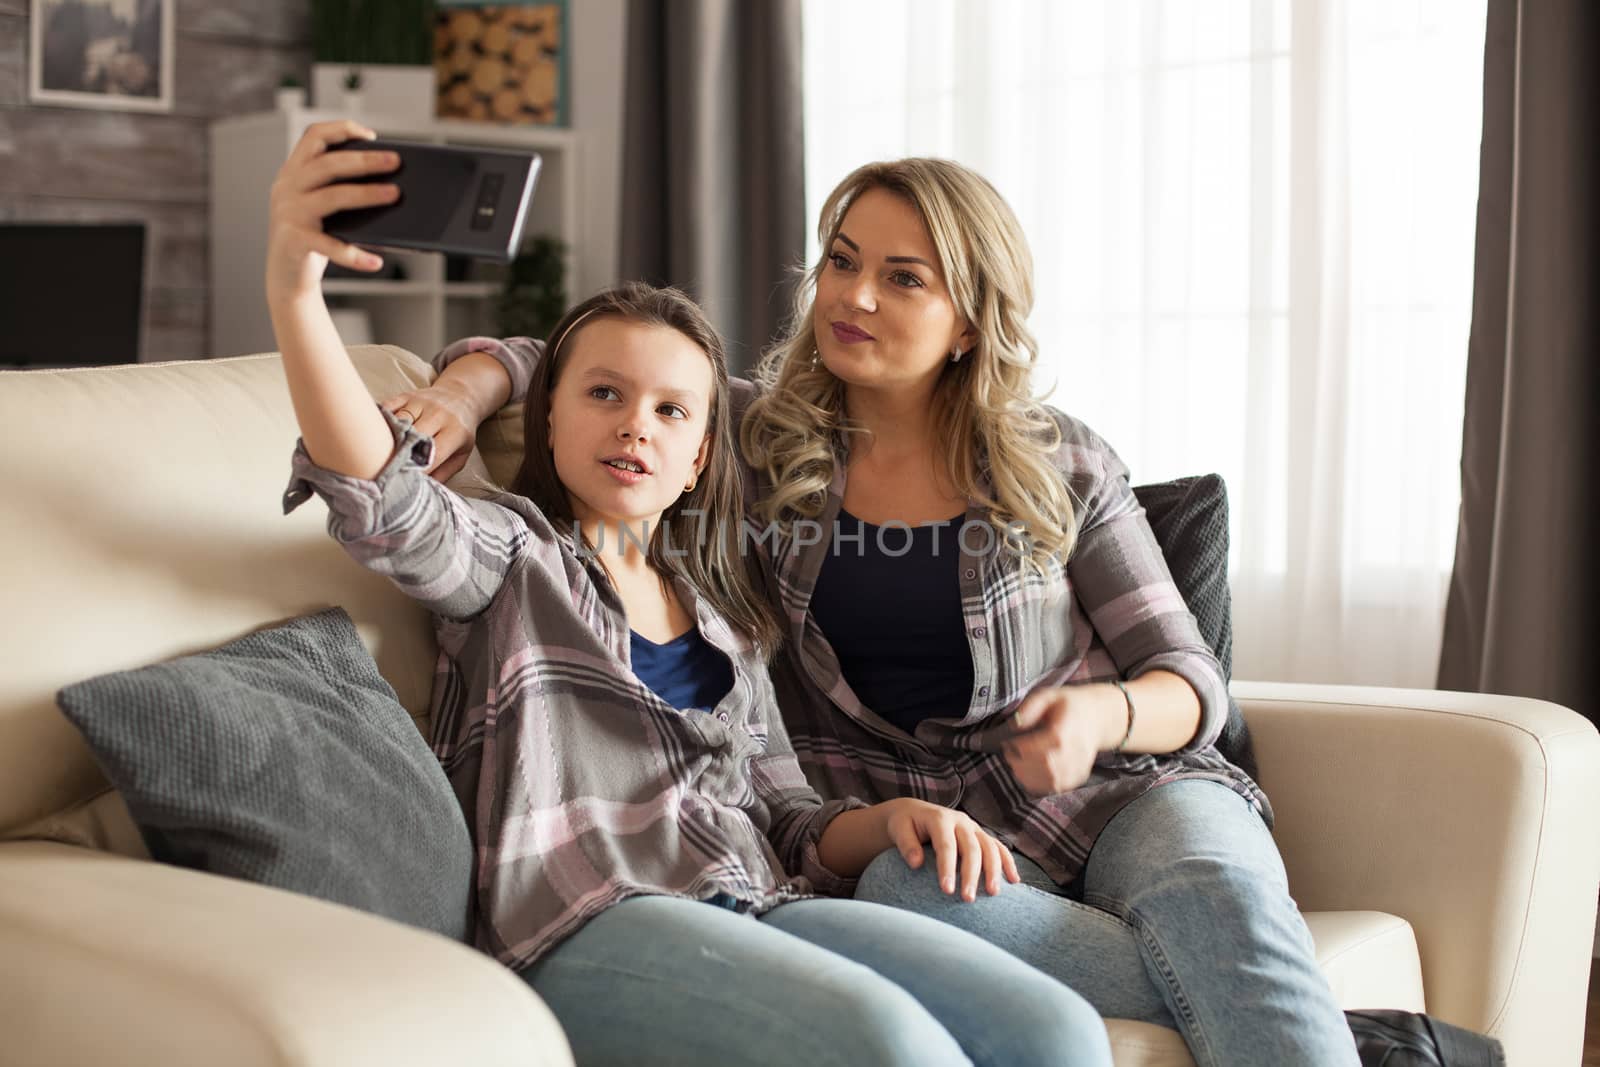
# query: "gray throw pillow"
(1189, 517)
(284, 758)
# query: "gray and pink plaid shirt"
(1111, 612)
(580, 785)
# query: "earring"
(955, 353)
(813, 357)
(694, 480)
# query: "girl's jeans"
(660, 980)
(1186, 921)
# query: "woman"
(986, 622)
(648, 847)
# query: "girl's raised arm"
(342, 428)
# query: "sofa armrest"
(1470, 816)
(116, 960)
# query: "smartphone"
(453, 198)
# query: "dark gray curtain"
(1522, 617)
(713, 184)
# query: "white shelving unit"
(421, 313)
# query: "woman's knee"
(1220, 886)
(1187, 831)
(888, 879)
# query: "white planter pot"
(404, 92)
(290, 99)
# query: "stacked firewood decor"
(500, 63)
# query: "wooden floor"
(1591, 1029)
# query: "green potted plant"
(291, 93)
(352, 91)
(388, 42)
(535, 295)
(384, 32)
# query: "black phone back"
(453, 198)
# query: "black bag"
(1406, 1039)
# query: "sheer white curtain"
(1252, 228)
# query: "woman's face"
(884, 318)
(628, 420)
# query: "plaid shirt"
(580, 785)
(1111, 612)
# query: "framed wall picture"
(501, 62)
(101, 53)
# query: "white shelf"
(383, 287)
(472, 290)
(423, 312)
(378, 287)
(449, 131)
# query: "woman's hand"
(309, 187)
(1060, 731)
(445, 413)
(959, 844)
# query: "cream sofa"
(1443, 845)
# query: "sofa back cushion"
(142, 520)
(1189, 517)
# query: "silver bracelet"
(1131, 714)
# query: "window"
(1252, 223)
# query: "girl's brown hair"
(705, 545)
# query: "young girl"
(604, 710)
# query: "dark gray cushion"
(1189, 517)
(284, 758)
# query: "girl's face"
(883, 316)
(628, 420)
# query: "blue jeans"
(1186, 922)
(659, 980)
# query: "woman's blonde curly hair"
(984, 406)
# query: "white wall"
(599, 43)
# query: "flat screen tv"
(70, 293)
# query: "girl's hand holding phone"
(308, 188)
(341, 428)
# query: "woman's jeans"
(660, 980)
(1186, 921)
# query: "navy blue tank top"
(687, 672)
(894, 619)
